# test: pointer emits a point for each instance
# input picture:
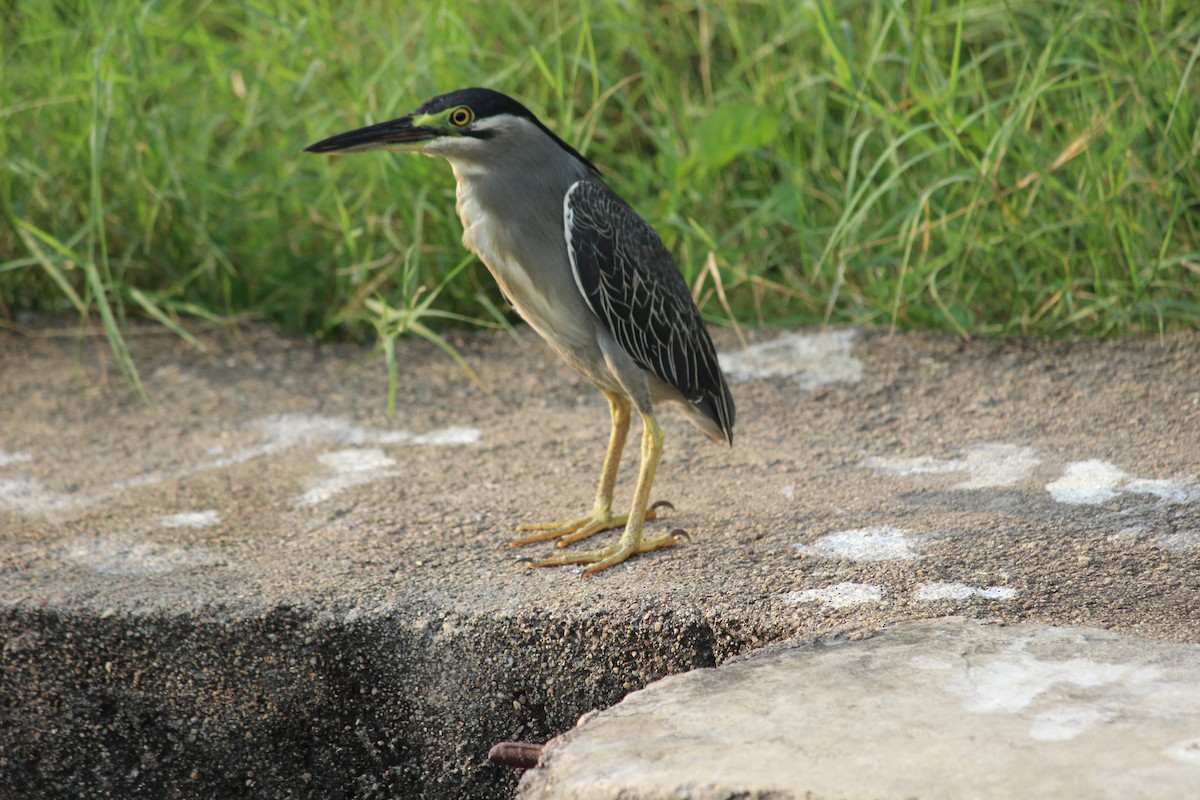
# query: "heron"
(588, 274)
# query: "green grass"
(987, 168)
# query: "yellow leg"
(601, 519)
(631, 541)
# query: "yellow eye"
(461, 116)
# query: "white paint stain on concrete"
(1179, 541)
(145, 479)
(961, 591)
(1094, 482)
(840, 595)
(919, 465)
(7, 458)
(27, 497)
(986, 465)
(300, 429)
(1185, 752)
(1171, 492)
(446, 436)
(1128, 534)
(1011, 681)
(1062, 724)
(1174, 541)
(190, 519)
(1087, 483)
(133, 556)
(347, 468)
(815, 359)
(878, 543)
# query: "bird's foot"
(611, 556)
(570, 531)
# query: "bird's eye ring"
(461, 116)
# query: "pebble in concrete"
(946, 708)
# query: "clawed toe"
(610, 556)
(568, 532)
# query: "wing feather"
(630, 281)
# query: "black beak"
(396, 134)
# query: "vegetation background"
(985, 167)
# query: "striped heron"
(587, 273)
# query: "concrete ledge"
(264, 587)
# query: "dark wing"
(630, 281)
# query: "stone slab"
(940, 709)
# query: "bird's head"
(470, 124)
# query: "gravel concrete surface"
(263, 587)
